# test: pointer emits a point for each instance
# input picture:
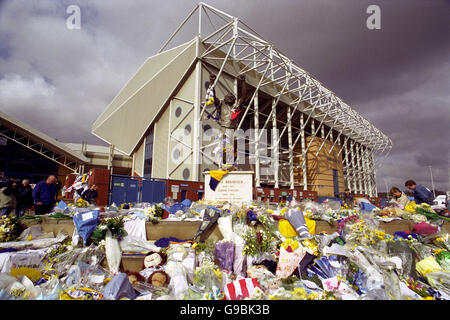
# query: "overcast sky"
(60, 80)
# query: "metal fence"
(131, 189)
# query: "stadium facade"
(298, 134)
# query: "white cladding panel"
(126, 126)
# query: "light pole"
(387, 191)
(432, 182)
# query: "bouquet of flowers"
(207, 276)
(46, 266)
(417, 287)
(348, 220)
(225, 254)
(258, 242)
(206, 246)
(411, 207)
(388, 212)
(268, 223)
(114, 224)
(426, 210)
(154, 213)
(442, 241)
(360, 233)
(10, 228)
(126, 206)
(81, 203)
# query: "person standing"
(58, 189)
(44, 195)
(349, 198)
(7, 199)
(421, 194)
(24, 197)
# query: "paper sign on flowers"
(288, 262)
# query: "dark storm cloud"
(397, 77)
(333, 43)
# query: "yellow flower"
(299, 293)
(313, 296)
(290, 242)
(411, 207)
(218, 273)
(31, 273)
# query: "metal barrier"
(131, 189)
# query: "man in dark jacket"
(90, 194)
(421, 194)
(24, 197)
(59, 186)
(44, 195)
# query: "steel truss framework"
(22, 138)
(316, 108)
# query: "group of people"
(16, 198)
(421, 194)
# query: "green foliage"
(115, 225)
(10, 228)
(258, 242)
(268, 223)
(59, 215)
(208, 246)
(159, 212)
(314, 278)
(289, 282)
(432, 216)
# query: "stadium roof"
(33, 139)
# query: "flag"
(235, 114)
(240, 289)
(216, 176)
